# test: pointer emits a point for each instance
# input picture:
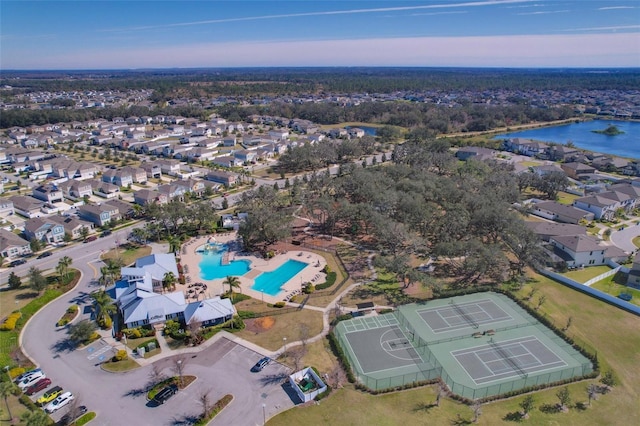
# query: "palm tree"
(6, 389)
(169, 280)
(232, 282)
(104, 305)
(35, 418)
(63, 267)
(174, 243)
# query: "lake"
(582, 136)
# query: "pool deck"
(190, 259)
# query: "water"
(371, 131)
(270, 282)
(211, 266)
(581, 134)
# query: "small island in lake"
(612, 130)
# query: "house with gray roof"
(27, 206)
(559, 212)
(583, 250)
(72, 225)
(43, 229)
(546, 230)
(11, 245)
(140, 301)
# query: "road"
(624, 239)
(118, 398)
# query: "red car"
(38, 386)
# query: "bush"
(279, 304)
(309, 288)
(120, 355)
(326, 269)
(106, 322)
(171, 327)
(10, 323)
(27, 402)
(247, 314)
(15, 372)
(72, 309)
(331, 279)
(85, 418)
(62, 322)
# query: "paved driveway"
(624, 239)
(119, 399)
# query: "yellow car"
(50, 395)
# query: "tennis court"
(463, 315)
(480, 344)
(513, 358)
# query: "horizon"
(511, 34)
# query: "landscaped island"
(611, 130)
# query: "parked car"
(73, 415)
(105, 233)
(60, 401)
(26, 374)
(49, 395)
(261, 364)
(45, 254)
(91, 238)
(30, 380)
(166, 393)
(38, 386)
(17, 262)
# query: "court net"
(464, 315)
(508, 358)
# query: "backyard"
(585, 274)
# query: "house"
(560, 152)
(525, 146)
(138, 174)
(633, 279)
(226, 161)
(583, 250)
(605, 204)
(72, 225)
(147, 196)
(475, 152)
(560, 212)
(105, 189)
(76, 189)
(170, 167)
(282, 134)
(194, 186)
(230, 221)
(6, 207)
(229, 141)
(577, 170)
(11, 245)
(228, 179)
(173, 191)
(546, 230)
(27, 206)
(355, 132)
(43, 229)
(153, 170)
(245, 155)
(49, 193)
(609, 164)
(138, 298)
(99, 215)
(118, 177)
(546, 169)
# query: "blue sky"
(476, 33)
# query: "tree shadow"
(581, 406)
(184, 420)
(550, 408)
(64, 345)
(273, 379)
(136, 393)
(82, 298)
(514, 416)
(27, 295)
(460, 421)
(424, 407)
(291, 393)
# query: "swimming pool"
(270, 282)
(211, 266)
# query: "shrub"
(10, 323)
(120, 355)
(106, 322)
(171, 327)
(72, 309)
(331, 279)
(94, 336)
(62, 322)
(279, 304)
(27, 402)
(309, 288)
(86, 418)
(326, 269)
(247, 314)
(15, 372)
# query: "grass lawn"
(566, 198)
(128, 254)
(636, 241)
(615, 284)
(585, 274)
(595, 324)
(120, 366)
(286, 325)
(530, 163)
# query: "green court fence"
(436, 370)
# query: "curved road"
(624, 238)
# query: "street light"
(264, 414)
(284, 339)
(262, 292)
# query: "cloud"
(548, 12)
(324, 13)
(611, 28)
(439, 13)
(562, 50)
(615, 7)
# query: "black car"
(261, 364)
(71, 416)
(105, 233)
(17, 262)
(45, 254)
(166, 393)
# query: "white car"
(59, 402)
(31, 379)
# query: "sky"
(105, 34)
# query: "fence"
(602, 276)
(629, 307)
